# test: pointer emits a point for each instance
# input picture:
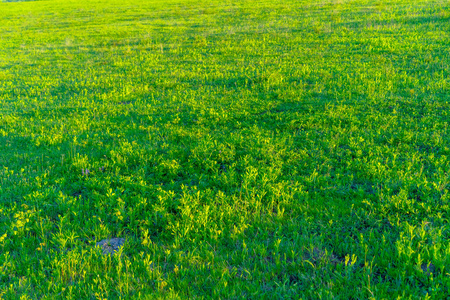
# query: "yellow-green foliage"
(243, 149)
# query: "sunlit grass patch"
(232, 150)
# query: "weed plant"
(244, 149)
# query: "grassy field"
(243, 149)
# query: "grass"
(244, 149)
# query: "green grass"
(244, 149)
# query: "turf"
(243, 149)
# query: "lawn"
(241, 149)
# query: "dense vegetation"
(243, 149)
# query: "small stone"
(428, 268)
(110, 246)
